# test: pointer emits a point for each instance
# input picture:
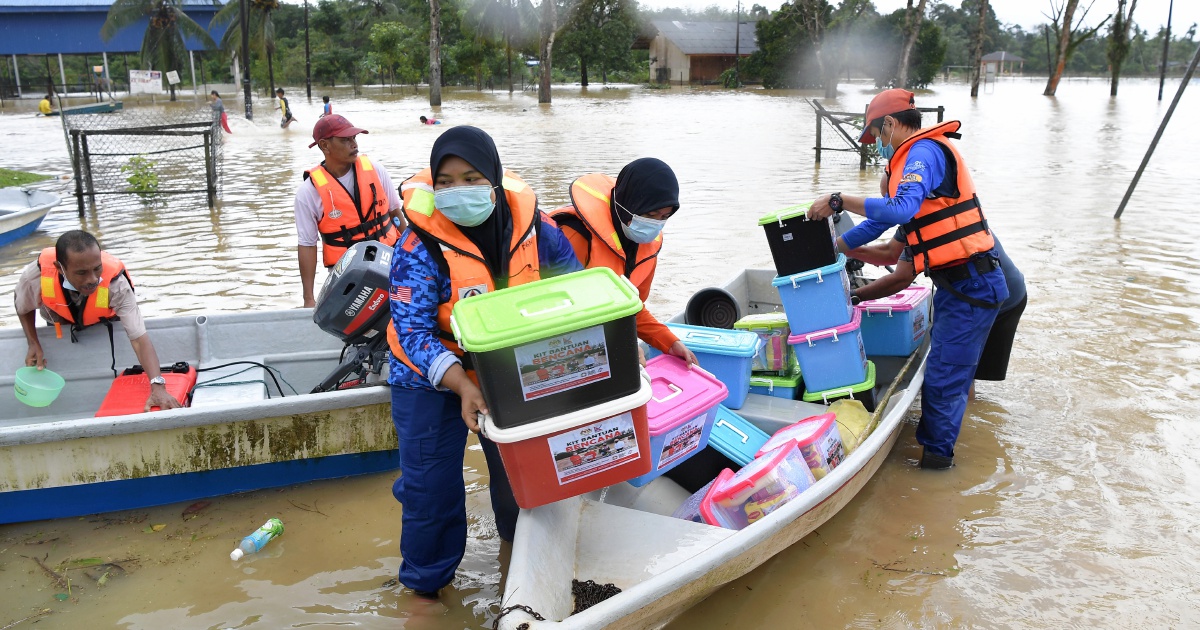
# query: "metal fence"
(842, 130)
(144, 153)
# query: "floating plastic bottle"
(259, 539)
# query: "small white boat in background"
(663, 565)
(22, 211)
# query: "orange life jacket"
(96, 307)
(469, 274)
(949, 227)
(345, 222)
(590, 215)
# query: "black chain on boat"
(524, 626)
(589, 593)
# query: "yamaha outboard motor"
(353, 306)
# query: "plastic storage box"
(818, 440)
(680, 412)
(553, 346)
(726, 354)
(690, 509)
(894, 326)
(790, 386)
(863, 392)
(129, 391)
(816, 299)
(732, 443)
(798, 244)
(578, 452)
(761, 487)
(774, 355)
(831, 358)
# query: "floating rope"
(589, 593)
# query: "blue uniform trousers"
(959, 332)
(433, 533)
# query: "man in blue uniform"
(931, 194)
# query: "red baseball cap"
(334, 126)
(885, 103)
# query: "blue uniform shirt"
(418, 287)
(924, 170)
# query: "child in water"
(328, 108)
(285, 109)
(430, 121)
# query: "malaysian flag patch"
(401, 294)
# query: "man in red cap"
(345, 199)
(930, 193)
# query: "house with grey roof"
(698, 52)
(994, 63)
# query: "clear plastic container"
(760, 488)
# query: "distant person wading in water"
(284, 109)
(327, 109)
(218, 109)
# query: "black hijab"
(644, 185)
(479, 150)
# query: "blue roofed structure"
(43, 27)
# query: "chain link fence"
(144, 153)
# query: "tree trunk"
(549, 26)
(583, 82)
(435, 53)
(508, 50)
(1064, 42)
(271, 70)
(977, 57)
(1118, 46)
(912, 24)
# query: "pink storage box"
(761, 487)
(895, 326)
(680, 412)
(818, 440)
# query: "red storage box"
(579, 452)
(130, 390)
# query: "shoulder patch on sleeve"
(410, 241)
(910, 177)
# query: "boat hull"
(22, 212)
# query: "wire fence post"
(208, 167)
(820, 123)
(78, 172)
(87, 169)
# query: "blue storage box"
(833, 357)
(735, 437)
(788, 386)
(726, 354)
(816, 299)
(894, 326)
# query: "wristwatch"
(854, 299)
(158, 380)
(835, 201)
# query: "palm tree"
(163, 43)
(262, 31)
(512, 22)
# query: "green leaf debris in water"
(62, 597)
(86, 562)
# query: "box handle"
(820, 278)
(566, 303)
(732, 427)
(836, 393)
(702, 335)
(879, 309)
(675, 391)
(762, 382)
(817, 336)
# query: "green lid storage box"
(863, 392)
(775, 353)
(798, 244)
(551, 347)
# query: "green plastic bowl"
(37, 388)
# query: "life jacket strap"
(944, 213)
(923, 247)
(370, 230)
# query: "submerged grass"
(9, 177)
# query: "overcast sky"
(1150, 14)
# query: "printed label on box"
(594, 448)
(681, 441)
(554, 365)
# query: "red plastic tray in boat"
(130, 390)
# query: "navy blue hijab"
(479, 150)
(644, 185)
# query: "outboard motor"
(353, 306)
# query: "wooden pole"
(819, 121)
(1187, 77)
(78, 169)
(1162, 77)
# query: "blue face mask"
(641, 229)
(885, 150)
(467, 206)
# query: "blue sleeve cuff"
(437, 369)
(864, 233)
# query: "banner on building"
(145, 82)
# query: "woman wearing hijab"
(618, 224)
(472, 228)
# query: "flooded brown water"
(1074, 501)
